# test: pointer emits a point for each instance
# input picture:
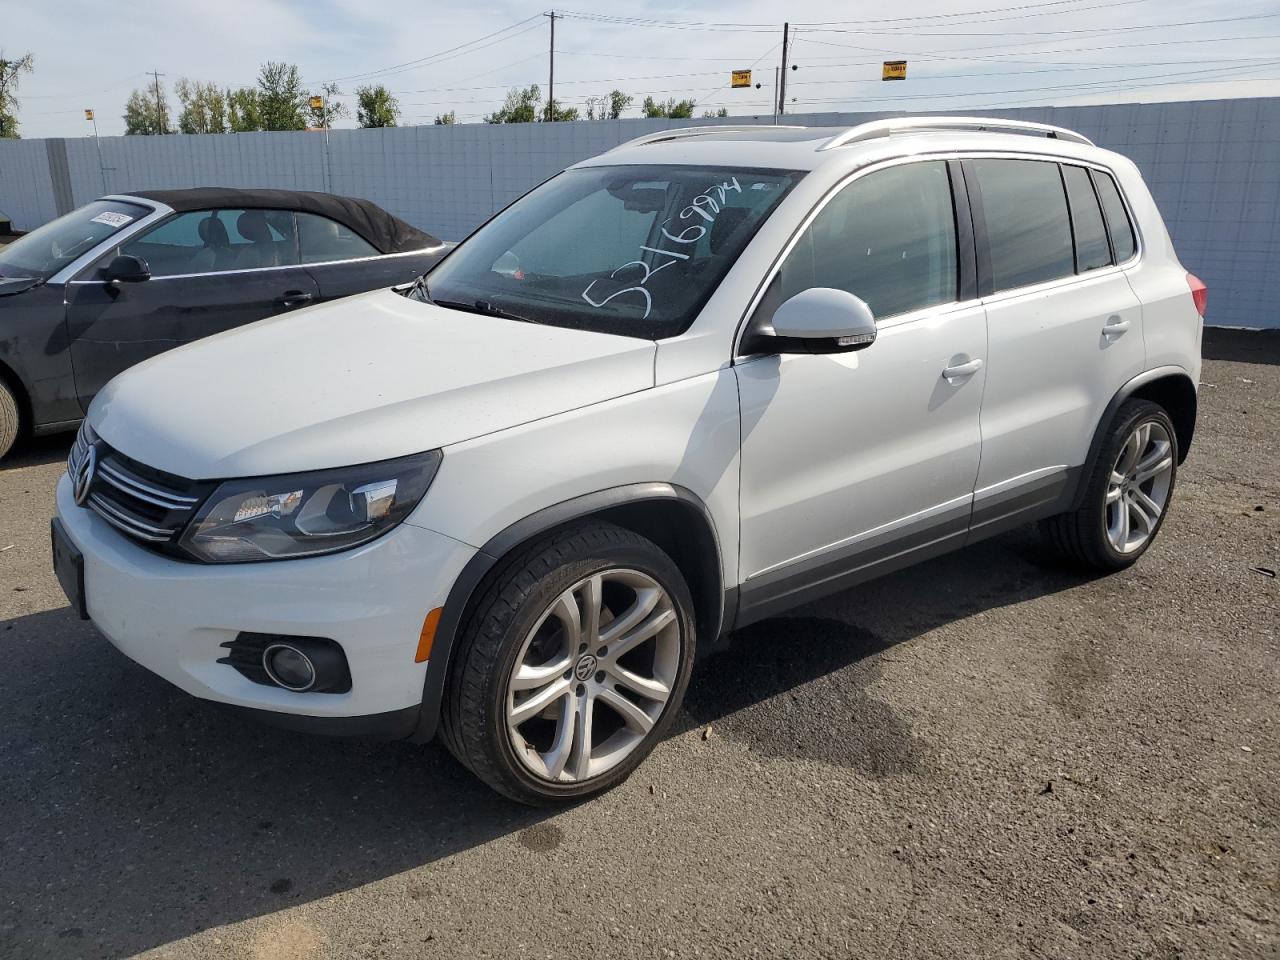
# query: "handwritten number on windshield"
(706, 205)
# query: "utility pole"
(102, 170)
(551, 79)
(782, 83)
(161, 126)
(775, 96)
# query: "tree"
(676, 110)
(10, 76)
(329, 109)
(146, 112)
(204, 107)
(282, 103)
(446, 119)
(722, 112)
(243, 112)
(376, 107)
(610, 107)
(520, 106)
(525, 106)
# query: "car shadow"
(136, 815)
(38, 452)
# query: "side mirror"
(127, 269)
(824, 320)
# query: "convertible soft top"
(389, 234)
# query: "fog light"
(289, 667)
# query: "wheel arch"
(1172, 388)
(671, 516)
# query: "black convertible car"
(131, 275)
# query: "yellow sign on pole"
(317, 103)
(88, 114)
(894, 70)
(741, 78)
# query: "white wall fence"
(1213, 166)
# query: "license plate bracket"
(68, 566)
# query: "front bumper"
(172, 617)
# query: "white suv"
(680, 387)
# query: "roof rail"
(892, 125)
(679, 133)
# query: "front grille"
(147, 505)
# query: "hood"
(366, 378)
(12, 285)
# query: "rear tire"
(1126, 496)
(10, 419)
(571, 666)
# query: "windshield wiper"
(485, 308)
(419, 290)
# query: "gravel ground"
(983, 756)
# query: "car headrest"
(213, 232)
(252, 225)
(728, 221)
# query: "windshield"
(633, 250)
(45, 251)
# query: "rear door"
(343, 263)
(1064, 330)
(211, 270)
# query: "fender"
(522, 531)
(1123, 394)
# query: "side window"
(1117, 219)
(1092, 249)
(213, 241)
(323, 240)
(888, 237)
(1028, 229)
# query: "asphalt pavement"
(986, 756)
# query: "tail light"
(1199, 293)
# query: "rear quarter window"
(1092, 248)
(1121, 229)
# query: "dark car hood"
(11, 285)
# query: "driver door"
(211, 270)
(855, 463)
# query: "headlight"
(305, 514)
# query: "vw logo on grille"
(83, 479)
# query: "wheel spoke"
(651, 627)
(1121, 538)
(646, 600)
(533, 706)
(592, 593)
(1114, 493)
(652, 688)
(562, 747)
(530, 678)
(631, 714)
(1154, 464)
(565, 609)
(1136, 513)
(1148, 507)
(1130, 453)
(581, 759)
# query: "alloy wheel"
(1138, 489)
(593, 676)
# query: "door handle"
(961, 370)
(1114, 327)
(294, 298)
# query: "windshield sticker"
(703, 209)
(116, 220)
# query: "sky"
(963, 55)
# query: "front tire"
(10, 419)
(571, 666)
(1127, 495)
